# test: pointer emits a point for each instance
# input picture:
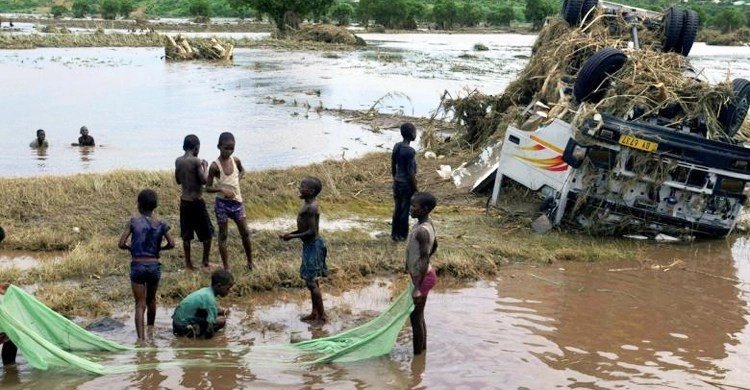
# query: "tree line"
(392, 14)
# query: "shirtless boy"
(224, 179)
(314, 251)
(190, 173)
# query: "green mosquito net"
(50, 341)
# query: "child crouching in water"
(147, 233)
(314, 251)
(420, 246)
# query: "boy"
(314, 250)
(224, 179)
(9, 349)
(190, 173)
(85, 139)
(147, 233)
(404, 173)
(421, 244)
(198, 315)
(40, 142)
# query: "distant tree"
(242, 8)
(391, 13)
(342, 13)
(109, 9)
(200, 9)
(81, 8)
(58, 10)
(702, 16)
(285, 13)
(501, 15)
(537, 11)
(445, 13)
(470, 14)
(126, 8)
(729, 19)
(318, 8)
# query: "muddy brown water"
(676, 318)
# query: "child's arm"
(170, 242)
(413, 171)
(123, 244)
(202, 167)
(312, 229)
(393, 161)
(240, 168)
(213, 172)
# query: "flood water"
(138, 107)
(678, 318)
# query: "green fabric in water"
(46, 339)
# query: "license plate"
(637, 143)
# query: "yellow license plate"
(637, 143)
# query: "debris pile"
(180, 49)
(328, 33)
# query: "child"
(85, 139)
(314, 250)
(198, 315)
(147, 233)
(190, 173)
(40, 142)
(9, 349)
(227, 172)
(421, 244)
(404, 173)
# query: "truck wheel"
(689, 31)
(673, 22)
(590, 82)
(733, 114)
(588, 5)
(571, 11)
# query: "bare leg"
(188, 261)
(151, 303)
(206, 253)
(312, 286)
(139, 293)
(417, 325)
(9, 354)
(223, 244)
(317, 298)
(245, 235)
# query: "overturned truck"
(618, 132)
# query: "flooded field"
(676, 319)
(139, 108)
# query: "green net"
(48, 340)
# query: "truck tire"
(588, 5)
(673, 22)
(595, 71)
(571, 11)
(691, 22)
(733, 114)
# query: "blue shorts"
(314, 260)
(229, 209)
(145, 273)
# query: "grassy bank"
(31, 41)
(84, 214)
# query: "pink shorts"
(428, 282)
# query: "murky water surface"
(138, 107)
(677, 318)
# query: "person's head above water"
(226, 144)
(147, 201)
(221, 282)
(191, 143)
(409, 131)
(310, 187)
(84, 131)
(40, 135)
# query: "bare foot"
(309, 318)
(206, 268)
(189, 268)
(250, 266)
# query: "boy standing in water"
(404, 173)
(224, 179)
(147, 233)
(190, 173)
(421, 244)
(198, 315)
(85, 139)
(314, 251)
